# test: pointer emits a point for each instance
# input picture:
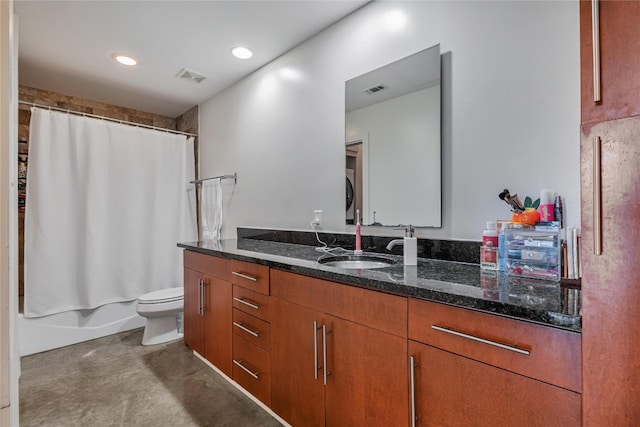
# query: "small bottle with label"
(490, 235)
(489, 249)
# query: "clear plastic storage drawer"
(531, 253)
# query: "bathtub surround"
(445, 250)
(114, 381)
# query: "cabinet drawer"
(254, 330)
(544, 353)
(251, 369)
(249, 275)
(374, 309)
(207, 264)
(251, 302)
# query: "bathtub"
(58, 330)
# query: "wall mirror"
(393, 143)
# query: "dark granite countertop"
(455, 283)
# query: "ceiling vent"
(191, 75)
(374, 89)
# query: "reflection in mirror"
(393, 143)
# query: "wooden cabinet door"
(297, 389)
(611, 280)
(452, 390)
(367, 382)
(193, 321)
(218, 323)
(619, 60)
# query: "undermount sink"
(356, 261)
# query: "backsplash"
(446, 250)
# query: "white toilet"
(163, 310)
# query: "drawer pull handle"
(482, 340)
(245, 302)
(245, 276)
(247, 370)
(247, 330)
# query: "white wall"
(510, 115)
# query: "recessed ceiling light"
(123, 59)
(241, 52)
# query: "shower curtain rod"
(234, 176)
(124, 122)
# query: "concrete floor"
(115, 381)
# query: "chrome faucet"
(395, 242)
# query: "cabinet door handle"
(245, 276)
(245, 302)
(482, 340)
(597, 196)
(200, 311)
(205, 286)
(247, 370)
(315, 349)
(325, 332)
(595, 28)
(247, 330)
(412, 367)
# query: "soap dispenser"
(410, 246)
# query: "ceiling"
(66, 46)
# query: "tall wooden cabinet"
(610, 191)
(339, 354)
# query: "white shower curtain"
(106, 205)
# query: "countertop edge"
(511, 311)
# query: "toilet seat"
(162, 296)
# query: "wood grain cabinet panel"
(193, 321)
(251, 302)
(611, 280)
(330, 370)
(619, 60)
(377, 310)
(254, 330)
(250, 276)
(252, 368)
(207, 264)
(453, 390)
(207, 309)
(554, 355)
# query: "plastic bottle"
(490, 235)
(501, 257)
(546, 205)
(557, 210)
(410, 247)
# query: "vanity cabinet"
(610, 217)
(251, 328)
(338, 354)
(471, 368)
(207, 308)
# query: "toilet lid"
(163, 295)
